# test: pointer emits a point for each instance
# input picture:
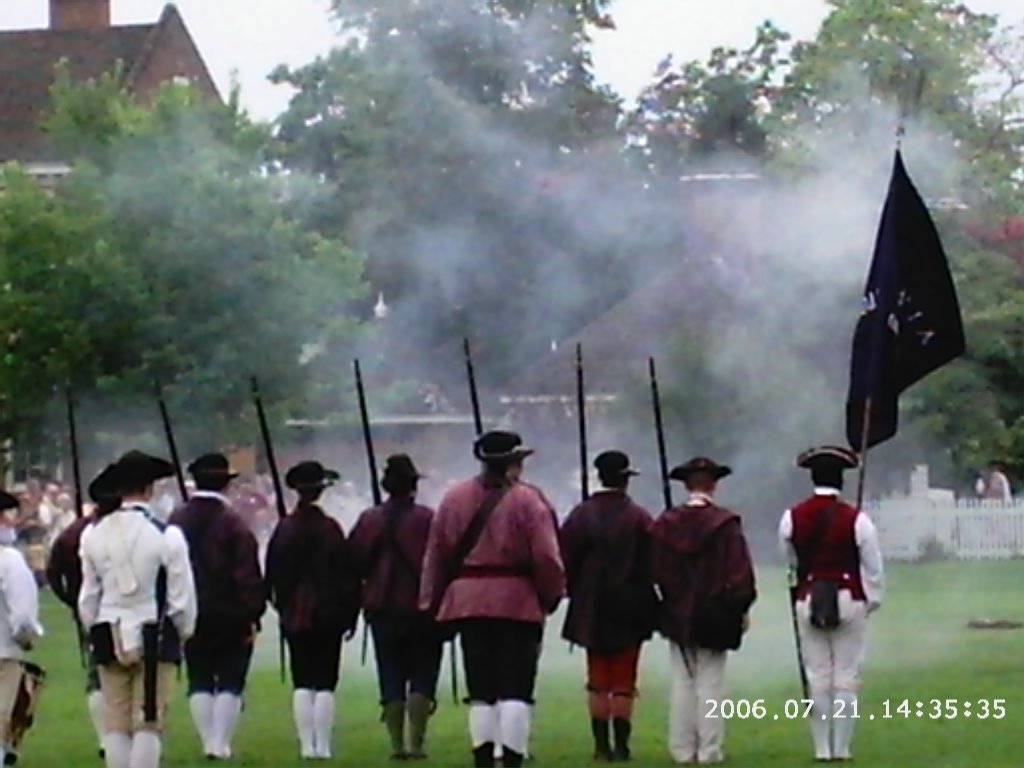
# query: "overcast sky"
(251, 37)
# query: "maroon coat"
(64, 569)
(388, 544)
(699, 551)
(225, 564)
(515, 570)
(311, 577)
(606, 546)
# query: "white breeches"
(833, 657)
(692, 736)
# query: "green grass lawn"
(919, 649)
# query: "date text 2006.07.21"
(887, 709)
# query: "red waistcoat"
(831, 554)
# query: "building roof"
(28, 59)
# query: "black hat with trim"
(212, 466)
(614, 464)
(401, 467)
(828, 457)
(136, 469)
(499, 445)
(700, 464)
(309, 475)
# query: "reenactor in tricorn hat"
(492, 573)
(64, 575)
(836, 563)
(702, 566)
(313, 584)
(231, 596)
(138, 602)
(389, 543)
(606, 545)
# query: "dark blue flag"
(910, 324)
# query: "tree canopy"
(168, 256)
(462, 162)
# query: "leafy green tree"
(694, 110)
(168, 255)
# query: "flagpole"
(865, 432)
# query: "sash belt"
(492, 572)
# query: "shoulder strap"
(471, 535)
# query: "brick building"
(81, 34)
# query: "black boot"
(602, 745)
(510, 758)
(483, 756)
(623, 730)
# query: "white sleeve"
(22, 597)
(872, 573)
(92, 585)
(786, 546)
(181, 587)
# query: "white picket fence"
(966, 529)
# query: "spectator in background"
(994, 485)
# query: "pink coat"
(515, 570)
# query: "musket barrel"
(659, 429)
(76, 463)
(364, 415)
(172, 444)
(474, 395)
(581, 415)
(268, 447)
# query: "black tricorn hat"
(699, 464)
(212, 465)
(614, 463)
(828, 457)
(310, 474)
(136, 469)
(400, 466)
(498, 445)
(8, 501)
(103, 487)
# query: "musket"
(659, 429)
(76, 473)
(478, 425)
(581, 416)
(666, 489)
(371, 461)
(275, 476)
(76, 465)
(804, 687)
(474, 396)
(172, 445)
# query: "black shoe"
(483, 756)
(10, 759)
(510, 758)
